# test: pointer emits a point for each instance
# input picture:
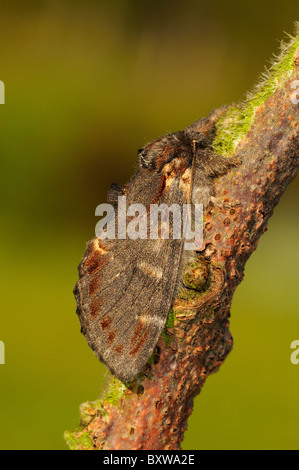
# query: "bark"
(152, 411)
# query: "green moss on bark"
(235, 123)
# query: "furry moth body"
(126, 287)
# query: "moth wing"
(126, 287)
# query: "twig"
(152, 411)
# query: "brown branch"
(152, 412)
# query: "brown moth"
(126, 286)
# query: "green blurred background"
(87, 84)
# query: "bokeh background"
(87, 84)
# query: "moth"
(126, 286)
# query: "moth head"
(198, 140)
(160, 152)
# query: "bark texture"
(152, 411)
